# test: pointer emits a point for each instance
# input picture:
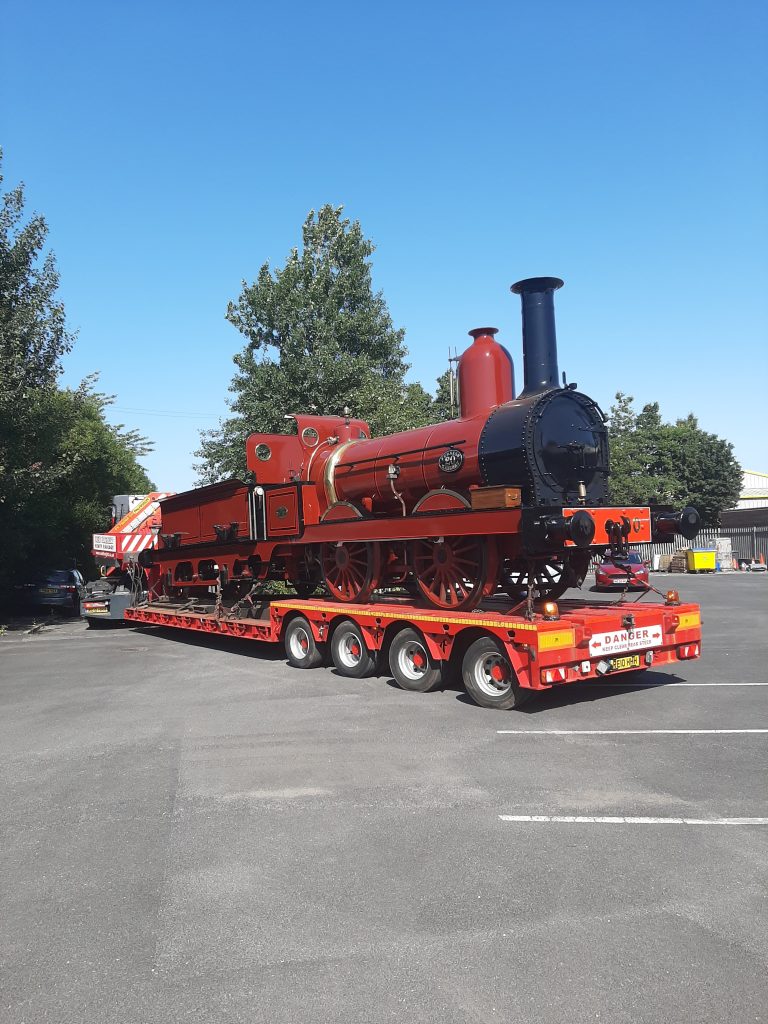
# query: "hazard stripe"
(141, 513)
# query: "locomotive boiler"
(512, 494)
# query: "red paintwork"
(486, 376)
(359, 464)
(291, 454)
(441, 514)
(193, 514)
(527, 643)
(639, 519)
(330, 484)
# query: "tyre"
(410, 663)
(301, 649)
(349, 653)
(489, 676)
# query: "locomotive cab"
(287, 458)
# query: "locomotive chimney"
(539, 339)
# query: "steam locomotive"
(511, 495)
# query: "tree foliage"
(446, 402)
(33, 334)
(670, 463)
(62, 464)
(318, 339)
(60, 460)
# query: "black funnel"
(539, 339)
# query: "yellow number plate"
(631, 661)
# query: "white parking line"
(664, 686)
(624, 732)
(591, 819)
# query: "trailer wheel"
(489, 676)
(301, 650)
(349, 654)
(410, 663)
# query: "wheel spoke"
(449, 573)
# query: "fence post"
(754, 543)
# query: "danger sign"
(626, 640)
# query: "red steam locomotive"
(510, 495)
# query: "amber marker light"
(672, 597)
(550, 611)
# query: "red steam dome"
(486, 374)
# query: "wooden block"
(495, 497)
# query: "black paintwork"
(547, 444)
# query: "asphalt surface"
(194, 831)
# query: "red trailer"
(503, 654)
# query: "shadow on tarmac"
(581, 693)
(572, 693)
(216, 642)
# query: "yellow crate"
(701, 561)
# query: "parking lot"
(195, 831)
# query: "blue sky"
(174, 147)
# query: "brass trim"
(329, 470)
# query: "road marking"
(591, 819)
(666, 686)
(624, 732)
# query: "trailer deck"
(503, 656)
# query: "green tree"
(33, 334)
(670, 463)
(318, 338)
(60, 461)
(446, 403)
(64, 463)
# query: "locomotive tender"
(512, 494)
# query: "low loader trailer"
(502, 654)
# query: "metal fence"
(747, 542)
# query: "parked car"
(59, 588)
(608, 575)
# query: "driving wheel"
(352, 570)
(451, 572)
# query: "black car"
(60, 588)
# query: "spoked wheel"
(451, 572)
(351, 571)
(550, 578)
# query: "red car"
(609, 575)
